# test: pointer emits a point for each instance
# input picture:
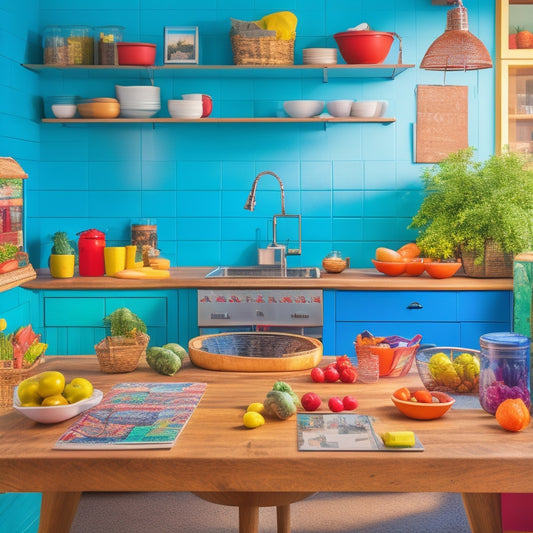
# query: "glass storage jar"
(55, 45)
(106, 39)
(68, 45)
(504, 369)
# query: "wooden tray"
(255, 352)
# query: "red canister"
(91, 246)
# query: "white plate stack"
(320, 56)
(138, 101)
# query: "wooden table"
(465, 451)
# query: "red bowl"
(442, 270)
(140, 54)
(391, 268)
(416, 267)
(364, 46)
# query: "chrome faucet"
(274, 254)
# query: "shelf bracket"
(325, 75)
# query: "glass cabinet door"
(513, 16)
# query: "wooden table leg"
(283, 514)
(58, 510)
(248, 519)
(484, 512)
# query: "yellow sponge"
(399, 439)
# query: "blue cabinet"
(72, 321)
(444, 318)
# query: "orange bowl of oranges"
(405, 260)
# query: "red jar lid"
(91, 234)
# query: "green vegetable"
(34, 351)
(177, 349)
(124, 323)
(467, 366)
(6, 348)
(7, 251)
(285, 387)
(162, 360)
(279, 404)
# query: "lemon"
(3, 324)
(256, 407)
(251, 419)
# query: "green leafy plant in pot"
(63, 256)
(481, 212)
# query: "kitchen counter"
(360, 279)
(465, 451)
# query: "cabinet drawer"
(484, 306)
(396, 306)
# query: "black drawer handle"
(414, 305)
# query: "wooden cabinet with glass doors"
(514, 75)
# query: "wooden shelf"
(226, 71)
(214, 120)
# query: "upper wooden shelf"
(227, 71)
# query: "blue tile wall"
(356, 186)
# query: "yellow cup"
(62, 266)
(115, 259)
(131, 252)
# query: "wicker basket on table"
(262, 50)
(496, 264)
(10, 377)
(121, 354)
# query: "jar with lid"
(504, 369)
(106, 39)
(91, 246)
(334, 263)
(55, 45)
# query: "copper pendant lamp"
(457, 48)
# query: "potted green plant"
(121, 350)
(63, 256)
(481, 212)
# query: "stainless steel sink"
(264, 272)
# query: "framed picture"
(181, 44)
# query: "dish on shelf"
(64, 110)
(99, 108)
(442, 270)
(319, 56)
(56, 413)
(189, 109)
(138, 54)
(362, 46)
(339, 108)
(303, 108)
(366, 108)
(138, 101)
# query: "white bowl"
(56, 413)
(365, 108)
(303, 108)
(185, 108)
(137, 91)
(339, 108)
(64, 110)
(382, 108)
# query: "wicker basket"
(496, 264)
(262, 51)
(11, 377)
(121, 354)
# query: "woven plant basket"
(496, 264)
(262, 51)
(10, 377)
(121, 354)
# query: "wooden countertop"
(352, 279)
(466, 451)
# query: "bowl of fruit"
(451, 370)
(404, 261)
(421, 404)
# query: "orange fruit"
(513, 415)
(409, 250)
(388, 255)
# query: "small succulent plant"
(62, 244)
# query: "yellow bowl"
(99, 109)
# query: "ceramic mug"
(115, 259)
(207, 102)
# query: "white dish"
(339, 108)
(56, 413)
(382, 108)
(303, 108)
(138, 113)
(64, 110)
(365, 108)
(185, 108)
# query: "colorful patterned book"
(133, 416)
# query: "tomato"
(78, 389)
(331, 375)
(50, 383)
(348, 375)
(28, 393)
(311, 401)
(423, 396)
(350, 403)
(317, 375)
(343, 362)
(54, 399)
(403, 394)
(335, 404)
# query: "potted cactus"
(63, 256)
